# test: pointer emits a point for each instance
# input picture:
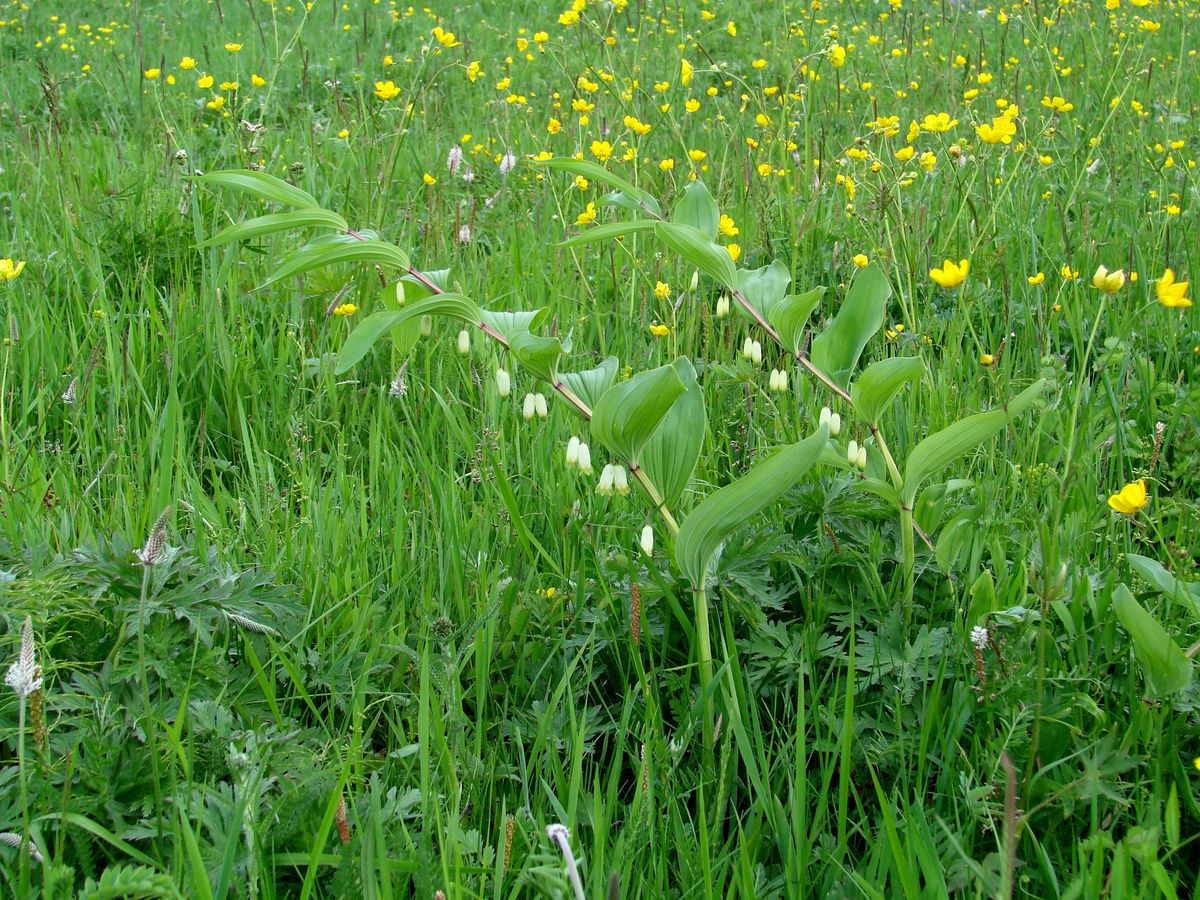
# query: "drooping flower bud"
(748, 348)
(585, 459)
(695, 279)
(852, 453)
(607, 477)
(464, 342)
(722, 306)
(835, 424)
(573, 451)
(779, 380)
(426, 326)
(503, 383)
(528, 407)
(861, 461)
(620, 480)
(647, 540)
(756, 353)
(539, 405)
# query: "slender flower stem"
(705, 660)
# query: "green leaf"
(950, 443)
(697, 208)
(710, 258)
(411, 287)
(508, 323)
(456, 306)
(789, 317)
(607, 231)
(536, 353)
(716, 517)
(836, 350)
(880, 382)
(881, 489)
(627, 413)
(764, 288)
(595, 172)
(1163, 581)
(590, 384)
(326, 253)
(276, 222)
(671, 454)
(1165, 666)
(260, 184)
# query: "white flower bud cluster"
(722, 306)
(614, 479)
(579, 455)
(534, 405)
(779, 380)
(856, 455)
(752, 350)
(831, 420)
(503, 383)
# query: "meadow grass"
(392, 637)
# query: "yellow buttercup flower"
(233, 48)
(660, 330)
(187, 63)
(386, 90)
(1171, 293)
(602, 150)
(662, 290)
(588, 216)
(685, 72)
(10, 270)
(860, 260)
(1130, 499)
(1036, 279)
(216, 103)
(1109, 282)
(345, 309)
(204, 82)
(697, 155)
(951, 274)
(727, 227)
(429, 179)
(151, 74)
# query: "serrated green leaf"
(697, 208)
(268, 187)
(716, 517)
(590, 384)
(362, 338)
(627, 413)
(836, 350)
(607, 231)
(537, 354)
(710, 258)
(764, 288)
(789, 317)
(1165, 666)
(508, 323)
(880, 382)
(276, 222)
(1187, 593)
(595, 172)
(671, 454)
(326, 253)
(950, 443)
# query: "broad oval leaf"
(716, 517)
(1151, 571)
(764, 288)
(789, 317)
(880, 382)
(361, 339)
(836, 350)
(670, 456)
(710, 258)
(696, 207)
(276, 222)
(508, 323)
(327, 253)
(942, 448)
(627, 413)
(607, 231)
(595, 172)
(1166, 667)
(268, 187)
(536, 353)
(590, 384)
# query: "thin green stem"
(704, 659)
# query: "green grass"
(411, 604)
